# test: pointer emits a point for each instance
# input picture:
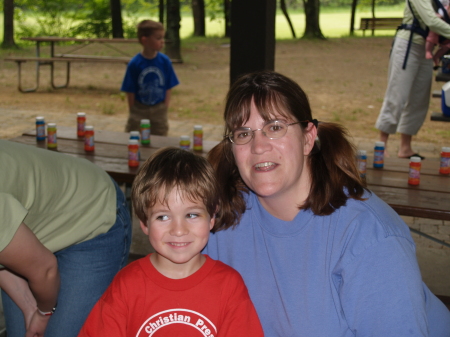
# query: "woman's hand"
(37, 325)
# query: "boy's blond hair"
(148, 27)
(170, 168)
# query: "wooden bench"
(50, 61)
(379, 24)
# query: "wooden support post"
(252, 37)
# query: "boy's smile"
(178, 230)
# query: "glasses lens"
(275, 129)
(242, 136)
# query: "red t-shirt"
(140, 302)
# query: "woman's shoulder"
(364, 223)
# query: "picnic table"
(69, 57)
(430, 199)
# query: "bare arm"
(168, 95)
(130, 99)
(26, 256)
(17, 288)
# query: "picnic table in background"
(70, 56)
(67, 57)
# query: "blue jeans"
(86, 270)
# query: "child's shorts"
(156, 113)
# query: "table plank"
(428, 182)
(429, 165)
(120, 138)
(416, 203)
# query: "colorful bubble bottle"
(198, 138)
(52, 142)
(81, 124)
(89, 144)
(133, 153)
(415, 165)
(40, 129)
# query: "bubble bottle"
(198, 138)
(135, 135)
(81, 123)
(52, 142)
(133, 153)
(89, 144)
(145, 132)
(40, 129)
(445, 161)
(414, 171)
(378, 155)
(362, 163)
(185, 142)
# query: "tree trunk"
(352, 19)
(116, 18)
(227, 9)
(8, 24)
(312, 27)
(285, 12)
(173, 43)
(161, 11)
(198, 13)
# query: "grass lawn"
(333, 22)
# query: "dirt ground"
(344, 78)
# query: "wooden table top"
(430, 199)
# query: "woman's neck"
(286, 206)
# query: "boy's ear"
(144, 227)
(212, 221)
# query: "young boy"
(175, 291)
(148, 80)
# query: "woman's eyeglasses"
(274, 129)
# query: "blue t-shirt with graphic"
(149, 79)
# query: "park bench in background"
(379, 24)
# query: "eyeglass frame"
(230, 135)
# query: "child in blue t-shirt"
(148, 80)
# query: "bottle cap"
(133, 142)
(379, 144)
(445, 149)
(198, 127)
(81, 114)
(362, 153)
(134, 134)
(185, 138)
(40, 118)
(89, 128)
(51, 125)
(415, 159)
(145, 121)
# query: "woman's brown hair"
(334, 174)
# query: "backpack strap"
(413, 28)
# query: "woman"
(65, 233)
(320, 255)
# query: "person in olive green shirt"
(65, 233)
(407, 97)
